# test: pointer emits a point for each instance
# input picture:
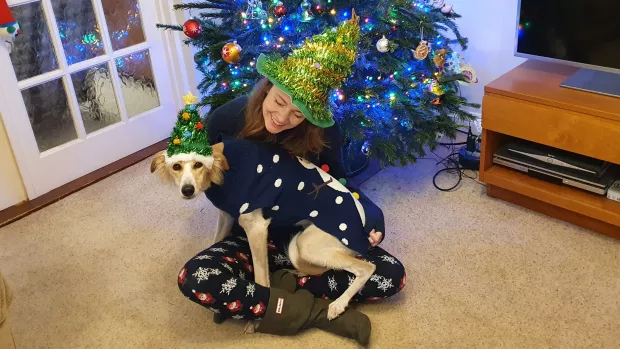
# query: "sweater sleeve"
(227, 120)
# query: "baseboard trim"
(23, 209)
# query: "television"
(581, 33)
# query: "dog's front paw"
(250, 328)
(336, 308)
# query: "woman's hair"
(300, 141)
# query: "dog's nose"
(188, 190)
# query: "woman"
(283, 110)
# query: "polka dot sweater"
(289, 190)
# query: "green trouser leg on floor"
(289, 313)
(284, 280)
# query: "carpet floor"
(99, 268)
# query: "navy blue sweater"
(229, 119)
(289, 190)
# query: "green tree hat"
(189, 140)
(310, 73)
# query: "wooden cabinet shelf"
(528, 103)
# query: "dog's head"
(192, 173)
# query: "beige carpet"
(99, 269)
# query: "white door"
(85, 84)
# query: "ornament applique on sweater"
(289, 190)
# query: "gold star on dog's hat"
(189, 140)
(310, 73)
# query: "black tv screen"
(585, 33)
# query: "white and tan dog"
(312, 252)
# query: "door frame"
(178, 61)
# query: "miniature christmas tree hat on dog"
(9, 28)
(310, 73)
(189, 140)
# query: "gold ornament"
(186, 116)
(470, 75)
(176, 141)
(190, 99)
(440, 58)
(231, 53)
(422, 51)
(435, 88)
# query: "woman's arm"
(332, 157)
(227, 120)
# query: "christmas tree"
(405, 87)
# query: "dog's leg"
(255, 226)
(320, 248)
(224, 226)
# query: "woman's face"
(279, 112)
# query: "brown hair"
(300, 141)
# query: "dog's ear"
(218, 156)
(158, 164)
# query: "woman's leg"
(389, 277)
(221, 279)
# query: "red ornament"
(279, 10)
(199, 126)
(325, 168)
(192, 28)
(436, 101)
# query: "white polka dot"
(259, 169)
(244, 207)
(345, 241)
(278, 183)
(275, 208)
(314, 214)
(301, 186)
(343, 227)
(339, 200)
(276, 158)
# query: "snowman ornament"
(383, 45)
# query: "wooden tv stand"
(528, 103)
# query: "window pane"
(124, 22)
(95, 94)
(79, 30)
(33, 53)
(49, 114)
(137, 83)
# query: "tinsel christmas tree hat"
(189, 140)
(310, 73)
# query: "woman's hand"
(375, 238)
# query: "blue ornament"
(187, 134)
(191, 107)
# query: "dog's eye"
(176, 167)
(198, 165)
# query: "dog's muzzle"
(188, 190)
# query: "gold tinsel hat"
(310, 73)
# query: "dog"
(313, 251)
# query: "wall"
(11, 188)
(490, 27)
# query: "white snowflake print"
(242, 238)
(382, 283)
(250, 290)
(366, 260)
(389, 259)
(217, 311)
(241, 275)
(238, 317)
(231, 243)
(351, 279)
(203, 257)
(331, 282)
(202, 274)
(218, 249)
(229, 286)
(228, 267)
(281, 259)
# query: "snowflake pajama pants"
(221, 279)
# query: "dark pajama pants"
(221, 279)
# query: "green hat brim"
(260, 64)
